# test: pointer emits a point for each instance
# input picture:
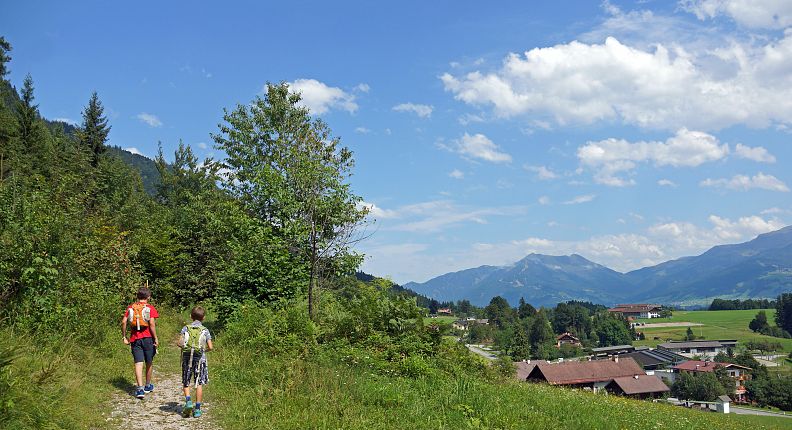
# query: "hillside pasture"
(714, 325)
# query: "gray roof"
(613, 348)
(692, 344)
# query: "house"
(704, 348)
(738, 373)
(638, 386)
(607, 351)
(581, 374)
(567, 339)
(637, 310)
(653, 359)
(468, 322)
(444, 311)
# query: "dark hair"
(197, 313)
(143, 293)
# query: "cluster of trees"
(526, 332)
(274, 220)
(783, 319)
(737, 304)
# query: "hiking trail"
(161, 409)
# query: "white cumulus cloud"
(149, 119)
(774, 14)
(320, 98)
(478, 146)
(745, 183)
(611, 157)
(134, 151)
(457, 174)
(757, 153)
(542, 172)
(423, 111)
(666, 87)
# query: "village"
(639, 372)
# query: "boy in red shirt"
(142, 317)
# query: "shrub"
(274, 331)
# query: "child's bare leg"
(139, 374)
(199, 393)
(186, 391)
(149, 371)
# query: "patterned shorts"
(197, 371)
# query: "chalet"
(704, 348)
(638, 386)
(637, 310)
(567, 339)
(738, 373)
(582, 374)
(444, 311)
(468, 322)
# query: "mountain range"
(760, 268)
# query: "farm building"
(637, 310)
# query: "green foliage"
(291, 173)
(271, 332)
(5, 48)
(783, 315)
(499, 312)
(94, 130)
(759, 323)
(703, 386)
(611, 330)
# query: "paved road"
(745, 411)
(477, 350)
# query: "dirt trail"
(161, 409)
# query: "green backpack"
(193, 338)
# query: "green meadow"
(716, 325)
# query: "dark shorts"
(195, 372)
(144, 350)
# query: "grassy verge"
(262, 392)
(58, 384)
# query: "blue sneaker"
(188, 409)
(139, 393)
(197, 413)
(148, 388)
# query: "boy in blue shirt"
(195, 342)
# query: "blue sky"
(628, 132)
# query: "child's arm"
(209, 346)
(123, 328)
(153, 327)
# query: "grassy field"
(305, 394)
(716, 325)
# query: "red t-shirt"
(144, 331)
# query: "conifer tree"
(5, 48)
(27, 116)
(94, 130)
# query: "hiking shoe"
(188, 409)
(197, 413)
(139, 393)
(148, 388)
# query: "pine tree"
(27, 117)
(94, 130)
(5, 48)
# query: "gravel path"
(161, 409)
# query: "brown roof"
(569, 335)
(524, 368)
(705, 366)
(633, 308)
(640, 384)
(584, 372)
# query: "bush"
(273, 331)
